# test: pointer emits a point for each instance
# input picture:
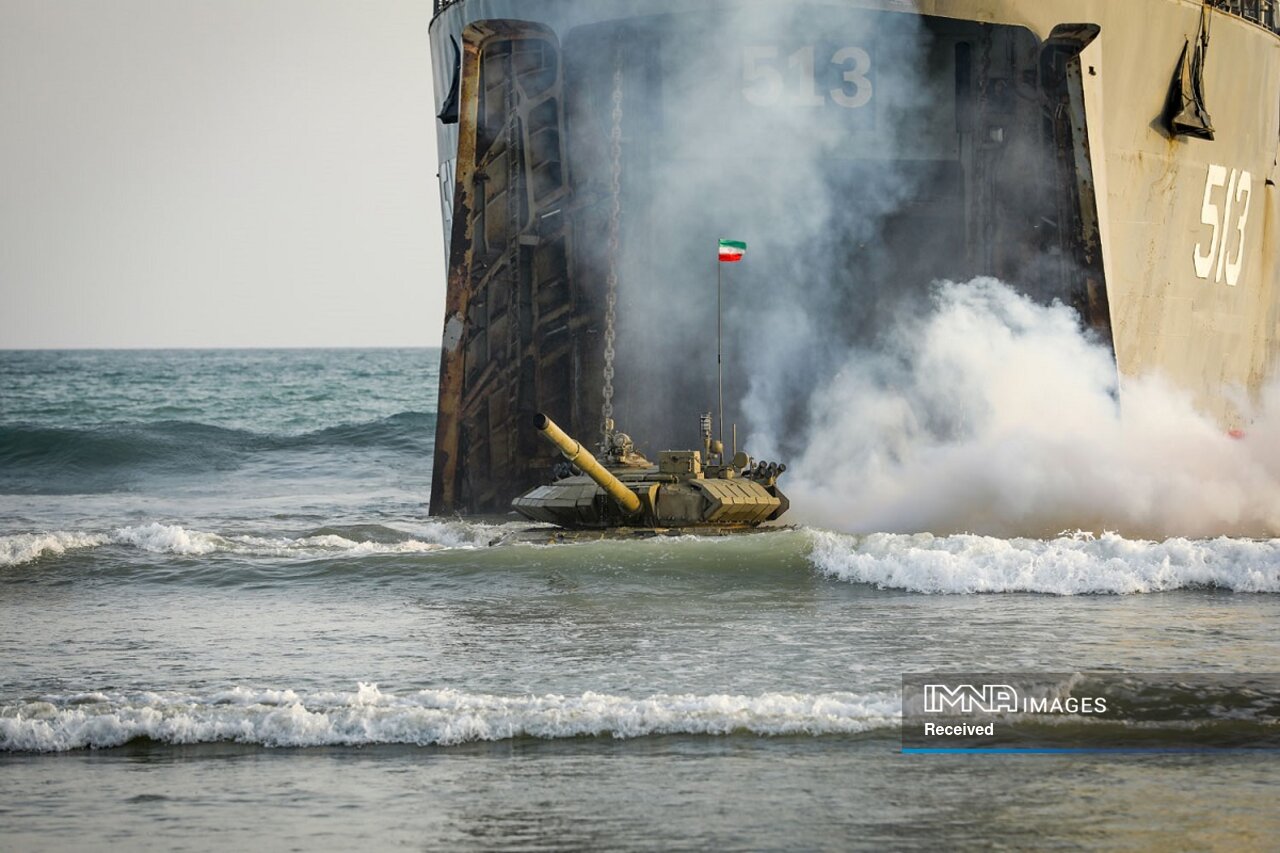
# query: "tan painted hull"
(1205, 335)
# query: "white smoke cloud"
(993, 414)
(900, 408)
(745, 139)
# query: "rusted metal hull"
(1046, 160)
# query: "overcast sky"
(218, 173)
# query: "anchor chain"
(614, 242)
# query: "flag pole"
(719, 360)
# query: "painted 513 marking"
(1218, 259)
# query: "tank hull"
(1165, 243)
(713, 504)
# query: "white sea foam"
(319, 546)
(168, 539)
(1068, 565)
(174, 539)
(457, 533)
(25, 547)
(286, 718)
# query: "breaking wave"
(25, 547)
(173, 539)
(284, 718)
(1074, 564)
(1071, 564)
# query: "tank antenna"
(719, 360)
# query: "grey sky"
(217, 173)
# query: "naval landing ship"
(1119, 156)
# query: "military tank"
(695, 489)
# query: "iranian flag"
(732, 250)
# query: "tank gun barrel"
(580, 456)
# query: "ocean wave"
(55, 460)
(285, 718)
(25, 547)
(174, 539)
(1068, 565)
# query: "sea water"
(226, 619)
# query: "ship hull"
(1026, 140)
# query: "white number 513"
(765, 83)
(1218, 258)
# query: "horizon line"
(167, 348)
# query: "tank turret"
(685, 489)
